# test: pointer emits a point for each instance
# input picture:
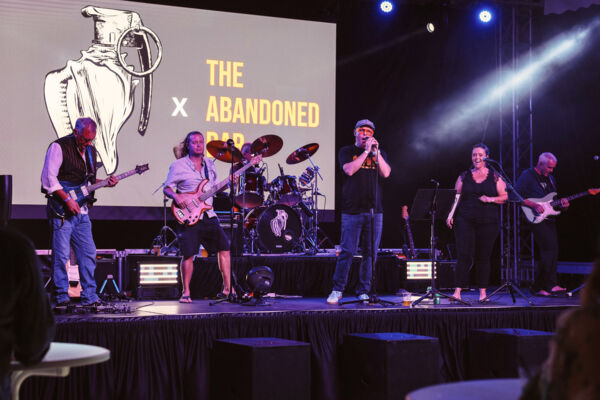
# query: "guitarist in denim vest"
(537, 182)
(71, 161)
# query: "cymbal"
(302, 153)
(221, 151)
(267, 145)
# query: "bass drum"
(278, 227)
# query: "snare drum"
(250, 190)
(284, 190)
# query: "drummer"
(246, 153)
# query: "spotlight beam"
(455, 118)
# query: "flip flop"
(185, 299)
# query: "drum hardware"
(267, 145)
(161, 244)
(311, 239)
(222, 151)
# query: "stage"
(162, 349)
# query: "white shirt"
(52, 163)
(184, 178)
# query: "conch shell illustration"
(100, 85)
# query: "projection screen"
(149, 74)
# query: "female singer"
(479, 193)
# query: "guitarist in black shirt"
(537, 182)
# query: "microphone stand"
(508, 285)
(433, 292)
(233, 282)
(373, 299)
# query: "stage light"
(485, 15)
(260, 280)
(386, 6)
(157, 278)
(430, 27)
(452, 119)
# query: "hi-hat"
(221, 151)
(302, 153)
(267, 145)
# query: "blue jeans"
(76, 232)
(357, 227)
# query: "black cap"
(365, 122)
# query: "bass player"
(185, 176)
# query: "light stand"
(161, 240)
(433, 292)
(373, 299)
(508, 285)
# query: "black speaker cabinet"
(5, 199)
(260, 369)
(107, 276)
(388, 365)
(498, 353)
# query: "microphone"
(280, 170)
(230, 143)
(492, 161)
(434, 181)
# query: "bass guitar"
(82, 193)
(413, 253)
(195, 202)
(549, 203)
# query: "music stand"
(425, 206)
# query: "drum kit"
(279, 216)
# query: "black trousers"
(546, 239)
(474, 243)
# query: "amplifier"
(237, 242)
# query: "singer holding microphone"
(475, 218)
(185, 175)
(361, 162)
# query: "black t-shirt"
(470, 207)
(358, 189)
(533, 185)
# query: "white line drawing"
(279, 223)
(100, 85)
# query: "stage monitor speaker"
(499, 352)
(385, 366)
(260, 369)
(5, 199)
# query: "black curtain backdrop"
(169, 357)
(392, 71)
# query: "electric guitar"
(195, 202)
(548, 203)
(411, 242)
(83, 193)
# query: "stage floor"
(288, 303)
